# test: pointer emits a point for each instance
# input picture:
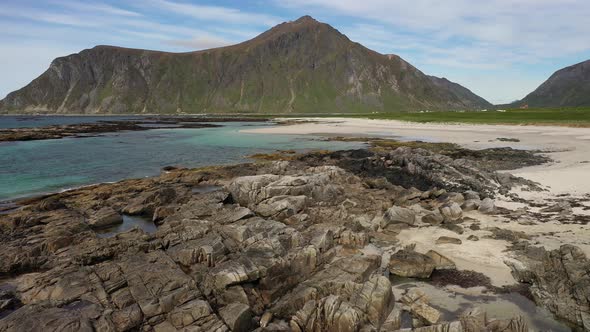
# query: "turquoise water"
(34, 167)
(40, 121)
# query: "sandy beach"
(568, 147)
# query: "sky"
(500, 49)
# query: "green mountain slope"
(302, 66)
(569, 86)
(468, 98)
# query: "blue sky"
(500, 49)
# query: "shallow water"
(129, 222)
(35, 167)
(205, 188)
(452, 301)
(41, 121)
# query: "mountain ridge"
(567, 87)
(302, 66)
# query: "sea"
(29, 168)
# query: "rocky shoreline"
(102, 127)
(318, 242)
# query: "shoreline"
(569, 147)
(343, 212)
(81, 130)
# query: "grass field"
(570, 117)
(575, 117)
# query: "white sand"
(568, 174)
(485, 256)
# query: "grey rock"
(559, 279)
(471, 195)
(487, 206)
(396, 214)
(104, 217)
(453, 228)
(448, 240)
(471, 205)
(411, 264)
(237, 316)
(451, 211)
(442, 262)
(433, 218)
(558, 207)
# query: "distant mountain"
(299, 66)
(468, 98)
(569, 86)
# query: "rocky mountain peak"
(567, 87)
(297, 66)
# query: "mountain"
(299, 66)
(569, 86)
(468, 98)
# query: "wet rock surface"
(308, 244)
(559, 279)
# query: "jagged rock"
(396, 214)
(353, 239)
(471, 195)
(237, 316)
(147, 202)
(441, 261)
(50, 203)
(471, 205)
(433, 218)
(368, 304)
(454, 197)
(507, 234)
(265, 319)
(300, 233)
(162, 212)
(517, 324)
(473, 238)
(451, 211)
(456, 175)
(393, 321)
(559, 279)
(318, 184)
(42, 317)
(558, 207)
(487, 206)
(411, 264)
(281, 207)
(104, 217)
(330, 314)
(453, 228)
(417, 303)
(448, 240)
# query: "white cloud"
(98, 7)
(213, 13)
(479, 44)
(540, 28)
(201, 42)
(23, 62)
